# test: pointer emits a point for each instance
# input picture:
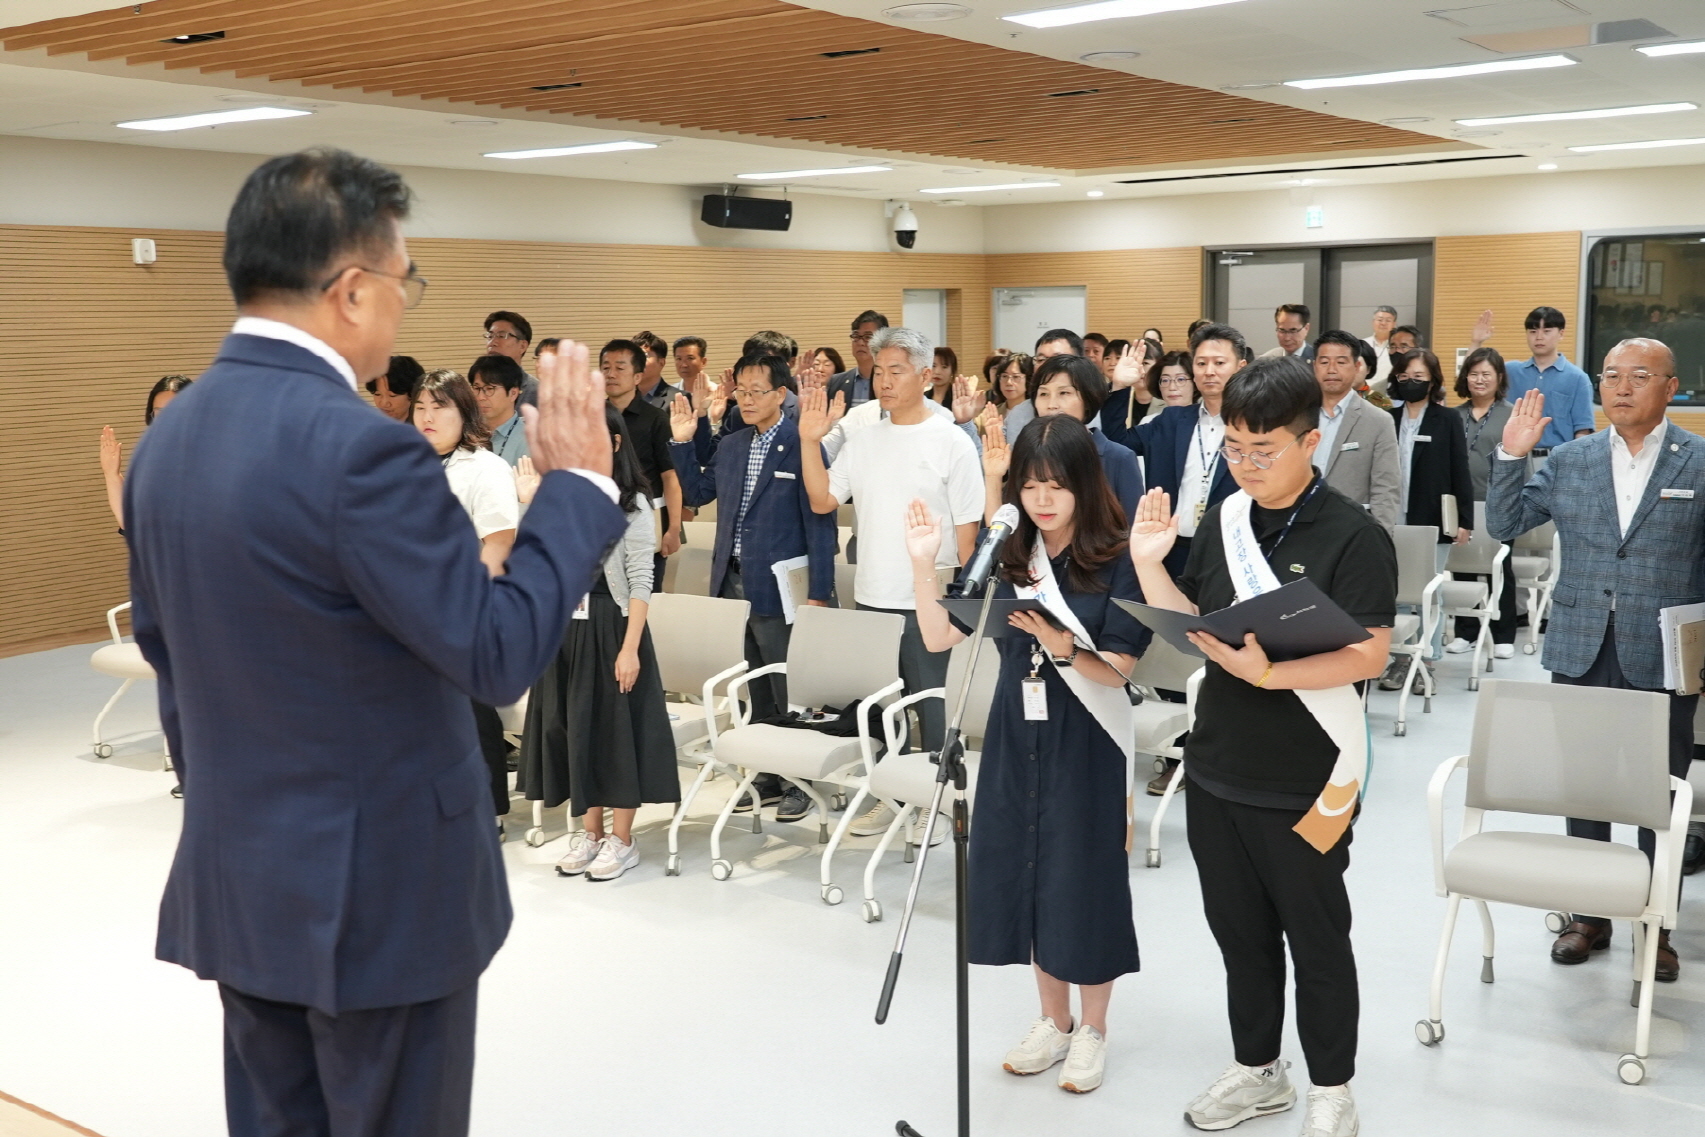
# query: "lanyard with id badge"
(1209, 465)
(1035, 688)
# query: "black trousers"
(292, 1071)
(1606, 671)
(1264, 887)
(767, 638)
(495, 750)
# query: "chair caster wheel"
(103, 750)
(1160, 765)
(534, 837)
(1555, 922)
(721, 870)
(1631, 1070)
(838, 803)
(1152, 858)
(871, 911)
(1474, 683)
(832, 894)
(1429, 1033)
(1400, 729)
(672, 867)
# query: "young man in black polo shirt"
(1277, 755)
(622, 362)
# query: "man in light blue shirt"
(1567, 389)
(497, 381)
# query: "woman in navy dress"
(1049, 878)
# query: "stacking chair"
(124, 661)
(1558, 750)
(1418, 584)
(688, 571)
(1538, 554)
(910, 778)
(1485, 555)
(1164, 746)
(837, 657)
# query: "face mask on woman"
(1411, 390)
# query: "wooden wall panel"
(1510, 273)
(1128, 289)
(86, 333)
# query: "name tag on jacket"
(788, 476)
(1675, 495)
(1349, 446)
(1423, 438)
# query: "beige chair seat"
(1455, 594)
(687, 721)
(1546, 870)
(911, 777)
(514, 716)
(789, 751)
(1405, 627)
(121, 661)
(1157, 723)
(1529, 569)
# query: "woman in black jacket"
(1430, 446)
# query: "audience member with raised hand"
(1620, 566)
(1049, 881)
(1010, 387)
(1071, 385)
(1054, 341)
(597, 721)
(1483, 384)
(1277, 756)
(164, 390)
(1431, 450)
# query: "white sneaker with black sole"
(1331, 1113)
(614, 858)
(1242, 1092)
(1459, 646)
(873, 822)
(582, 851)
(1086, 1061)
(1045, 1045)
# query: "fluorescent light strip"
(783, 174)
(212, 118)
(1565, 116)
(985, 189)
(1655, 144)
(1106, 10)
(1456, 71)
(583, 148)
(1657, 49)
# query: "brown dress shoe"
(1669, 965)
(1157, 787)
(1579, 940)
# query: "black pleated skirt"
(585, 740)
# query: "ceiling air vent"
(556, 86)
(854, 51)
(1074, 94)
(195, 37)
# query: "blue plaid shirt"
(754, 466)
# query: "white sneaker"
(1504, 651)
(582, 851)
(614, 859)
(874, 822)
(1086, 1061)
(1045, 1045)
(936, 827)
(1240, 1093)
(1459, 646)
(1331, 1113)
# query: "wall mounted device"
(726, 211)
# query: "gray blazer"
(1661, 562)
(1482, 445)
(628, 569)
(1364, 465)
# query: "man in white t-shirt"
(913, 453)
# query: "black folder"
(963, 613)
(1291, 622)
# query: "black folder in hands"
(963, 613)
(1291, 622)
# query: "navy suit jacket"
(1164, 443)
(779, 523)
(311, 595)
(1120, 465)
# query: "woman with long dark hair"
(1050, 884)
(597, 723)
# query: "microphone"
(981, 566)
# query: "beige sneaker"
(582, 851)
(1045, 1045)
(1086, 1061)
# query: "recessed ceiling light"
(1475, 133)
(1256, 85)
(986, 189)
(1657, 49)
(213, 118)
(1404, 120)
(1565, 116)
(926, 13)
(1096, 193)
(1454, 71)
(195, 37)
(583, 148)
(785, 174)
(1109, 56)
(1106, 10)
(1654, 144)
(1548, 165)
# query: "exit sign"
(1314, 217)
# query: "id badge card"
(1201, 508)
(1035, 700)
(580, 612)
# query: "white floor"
(661, 1005)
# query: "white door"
(1366, 285)
(925, 310)
(1022, 314)
(1254, 290)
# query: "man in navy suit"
(1181, 445)
(311, 596)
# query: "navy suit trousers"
(292, 1071)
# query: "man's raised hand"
(1526, 426)
(1155, 529)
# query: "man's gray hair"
(914, 343)
(1387, 309)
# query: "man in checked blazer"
(1358, 443)
(1629, 503)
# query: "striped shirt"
(754, 466)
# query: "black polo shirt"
(1261, 747)
(649, 434)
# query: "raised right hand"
(1155, 529)
(1482, 328)
(566, 431)
(997, 455)
(111, 452)
(1526, 426)
(923, 536)
(683, 420)
(716, 405)
(1128, 372)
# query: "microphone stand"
(952, 769)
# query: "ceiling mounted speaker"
(727, 212)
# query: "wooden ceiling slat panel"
(924, 94)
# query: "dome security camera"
(905, 226)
